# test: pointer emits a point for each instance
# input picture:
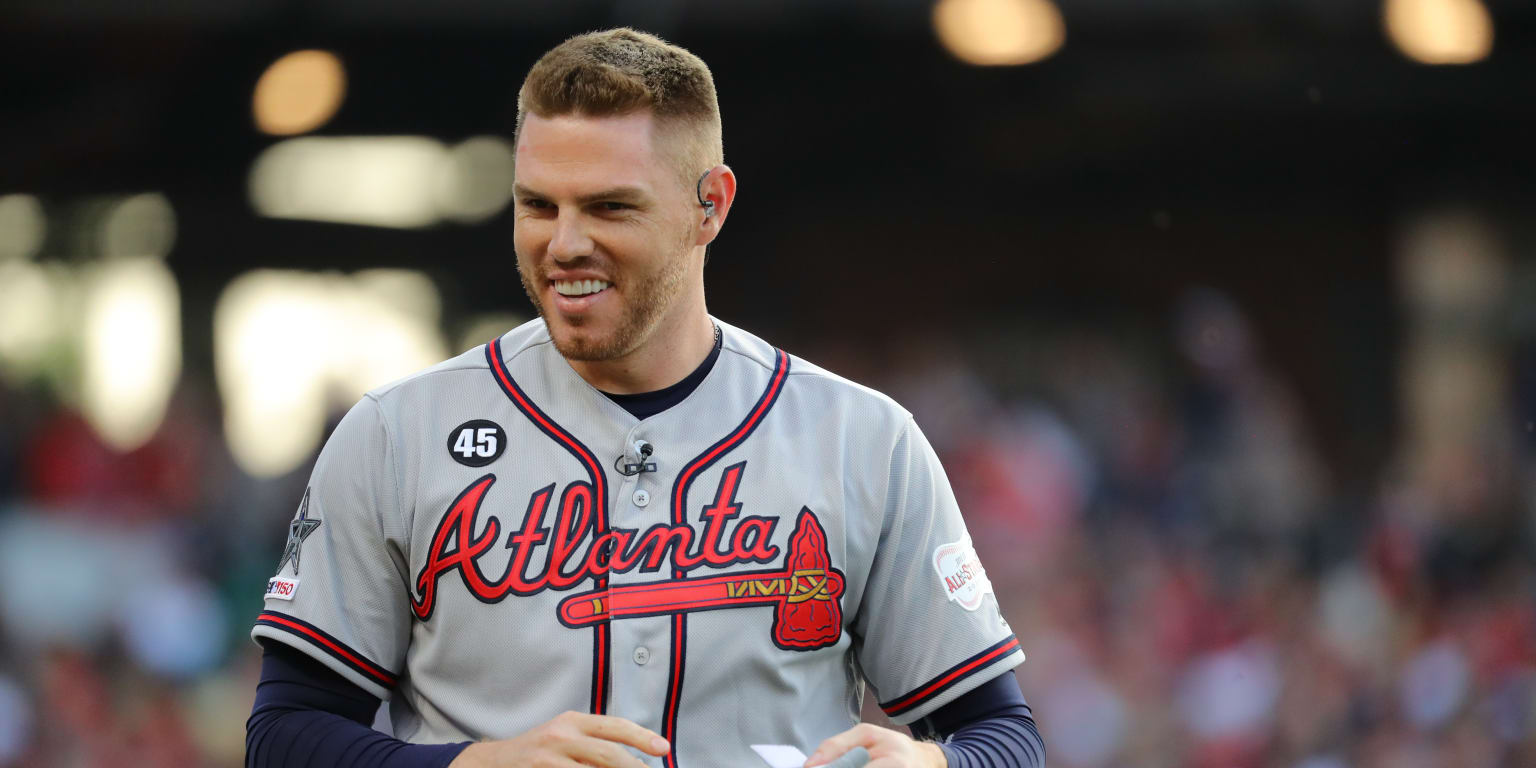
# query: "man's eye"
(614, 207)
(535, 203)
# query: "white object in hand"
(780, 755)
(784, 756)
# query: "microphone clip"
(628, 468)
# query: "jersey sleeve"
(340, 590)
(929, 628)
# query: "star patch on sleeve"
(298, 530)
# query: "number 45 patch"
(477, 443)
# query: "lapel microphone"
(642, 451)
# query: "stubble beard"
(647, 300)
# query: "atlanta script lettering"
(576, 551)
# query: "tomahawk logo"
(805, 594)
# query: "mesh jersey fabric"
(407, 585)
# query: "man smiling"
(653, 539)
(609, 246)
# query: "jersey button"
(642, 655)
(642, 498)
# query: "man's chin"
(583, 345)
(581, 353)
(593, 339)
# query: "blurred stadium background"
(1221, 314)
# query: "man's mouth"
(576, 288)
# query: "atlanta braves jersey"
(492, 541)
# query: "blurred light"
(131, 348)
(1450, 262)
(1213, 332)
(391, 323)
(299, 93)
(174, 627)
(1434, 685)
(15, 722)
(1440, 31)
(1353, 614)
(142, 225)
(384, 181)
(287, 343)
(269, 368)
(80, 569)
(999, 32)
(1511, 708)
(22, 227)
(1231, 693)
(31, 305)
(475, 179)
(1090, 723)
(1454, 276)
(482, 328)
(215, 701)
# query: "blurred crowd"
(1195, 587)
(1192, 583)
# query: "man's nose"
(570, 239)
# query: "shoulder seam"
(793, 370)
(821, 374)
(394, 457)
(890, 458)
(749, 358)
(527, 348)
(378, 393)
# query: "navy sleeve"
(990, 727)
(307, 715)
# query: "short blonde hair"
(619, 71)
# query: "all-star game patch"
(960, 574)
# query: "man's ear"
(716, 191)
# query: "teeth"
(579, 287)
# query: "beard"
(644, 301)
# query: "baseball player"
(628, 533)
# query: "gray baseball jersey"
(492, 541)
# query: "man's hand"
(887, 749)
(570, 740)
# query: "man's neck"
(667, 358)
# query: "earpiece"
(698, 190)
